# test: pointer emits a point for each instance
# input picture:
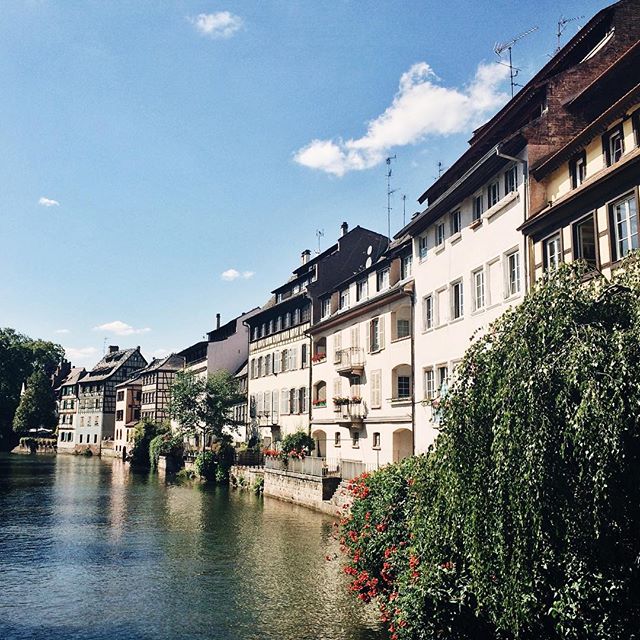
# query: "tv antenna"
(499, 47)
(104, 346)
(404, 209)
(562, 25)
(319, 235)
(390, 192)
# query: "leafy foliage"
(144, 433)
(165, 444)
(20, 356)
(206, 464)
(37, 408)
(523, 520)
(299, 441)
(203, 406)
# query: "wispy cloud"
(81, 355)
(119, 328)
(233, 274)
(422, 107)
(222, 24)
(62, 331)
(48, 202)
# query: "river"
(91, 550)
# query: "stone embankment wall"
(244, 477)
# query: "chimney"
(306, 255)
(113, 348)
(344, 228)
(217, 320)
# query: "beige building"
(362, 386)
(128, 414)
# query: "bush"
(205, 465)
(165, 444)
(299, 442)
(145, 431)
(258, 485)
(522, 521)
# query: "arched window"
(320, 394)
(401, 323)
(320, 350)
(401, 380)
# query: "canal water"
(91, 550)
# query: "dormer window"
(361, 289)
(477, 207)
(279, 323)
(578, 169)
(440, 234)
(287, 320)
(296, 316)
(511, 179)
(344, 299)
(422, 246)
(325, 307)
(382, 279)
(613, 145)
(493, 194)
(406, 266)
(456, 224)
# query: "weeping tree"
(524, 519)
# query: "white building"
(68, 410)
(469, 264)
(362, 391)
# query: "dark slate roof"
(109, 365)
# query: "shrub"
(205, 465)
(145, 431)
(298, 441)
(258, 485)
(165, 444)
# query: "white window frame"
(552, 251)
(429, 383)
(428, 304)
(423, 246)
(622, 225)
(510, 290)
(456, 293)
(478, 284)
(455, 220)
(440, 234)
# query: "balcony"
(350, 414)
(349, 362)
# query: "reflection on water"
(90, 549)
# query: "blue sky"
(162, 161)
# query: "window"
(284, 360)
(382, 279)
(344, 299)
(296, 316)
(404, 386)
(267, 365)
(456, 224)
(552, 250)
(95, 436)
(427, 312)
(270, 329)
(279, 323)
(376, 334)
(303, 406)
(80, 438)
(287, 320)
(267, 403)
(337, 347)
(321, 350)
(284, 401)
(477, 208)
(613, 145)
(119, 415)
(355, 439)
(429, 384)
(578, 169)
(325, 307)
(260, 369)
(457, 301)
(402, 323)
(422, 246)
(478, 289)
(304, 356)
(440, 234)
(443, 376)
(405, 266)
(293, 401)
(320, 394)
(493, 194)
(584, 241)
(624, 215)
(376, 389)
(511, 179)
(120, 397)
(376, 440)
(361, 290)
(513, 273)
(635, 122)
(336, 439)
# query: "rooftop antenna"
(562, 25)
(499, 47)
(319, 235)
(104, 346)
(389, 193)
(404, 209)
(440, 169)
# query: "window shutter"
(355, 337)
(337, 387)
(260, 404)
(267, 402)
(381, 330)
(337, 346)
(375, 389)
(294, 358)
(369, 330)
(284, 401)
(275, 399)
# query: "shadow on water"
(90, 549)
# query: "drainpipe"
(409, 290)
(525, 182)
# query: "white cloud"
(82, 355)
(120, 328)
(62, 331)
(47, 202)
(421, 108)
(233, 274)
(222, 24)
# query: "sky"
(162, 161)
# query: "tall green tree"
(203, 406)
(20, 356)
(37, 407)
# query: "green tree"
(144, 433)
(37, 407)
(20, 356)
(523, 520)
(203, 406)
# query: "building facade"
(67, 401)
(362, 384)
(280, 347)
(128, 414)
(97, 396)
